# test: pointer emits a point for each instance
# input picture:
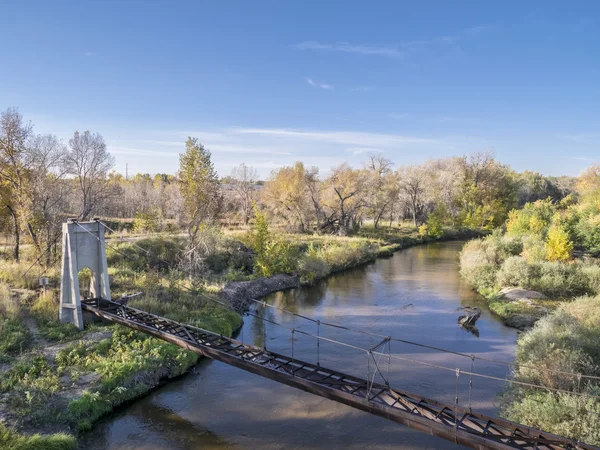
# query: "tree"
(47, 191)
(488, 191)
(89, 162)
(558, 245)
(199, 186)
(243, 180)
(287, 195)
(346, 191)
(412, 186)
(383, 186)
(14, 136)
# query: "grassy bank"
(565, 341)
(56, 378)
(314, 257)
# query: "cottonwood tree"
(89, 162)
(346, 196)
(199, 187)
(14, 136)
(488, 191)
(286, 195)
(243, 180)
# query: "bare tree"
(47, 190)
(382, 186)
(243, 180)
(89, 161)
(412, 186)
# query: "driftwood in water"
(470, 317)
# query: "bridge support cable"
(450, 422)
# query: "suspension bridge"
(83, 245)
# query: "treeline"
(43, 181)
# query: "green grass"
(14, 337)
(11, 440)
(127, 365)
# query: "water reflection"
(414, 295)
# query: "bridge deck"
(429, 416)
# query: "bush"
(146, 222)
(312, 268)
(558, 279)
(566, 341)
(478, 265)
(514, 272)
(534, 249)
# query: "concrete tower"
(83, 247)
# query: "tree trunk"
(17, 232)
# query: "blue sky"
(271, 82)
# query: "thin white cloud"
(88, 54)
(138, 151)
(346, 47)
(402, 50)
(313, 83)
(361, 150)
(354, 138)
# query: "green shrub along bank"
(313, 257)
(536, 252)
(566, 341)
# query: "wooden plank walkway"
(426, 415)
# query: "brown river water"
(414, 295)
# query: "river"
(414, 295)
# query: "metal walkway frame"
(429, 416)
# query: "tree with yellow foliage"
(558, 245)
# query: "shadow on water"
(415, 295)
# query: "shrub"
(592, 274)
(312, 268)
(478, 265)
(534, 249)
(514, 272)
(566, 341)
(146, 222)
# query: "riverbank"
(499, 263)
(65, 380)
(416, 293)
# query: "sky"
(268, 83)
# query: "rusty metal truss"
(449, 422)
